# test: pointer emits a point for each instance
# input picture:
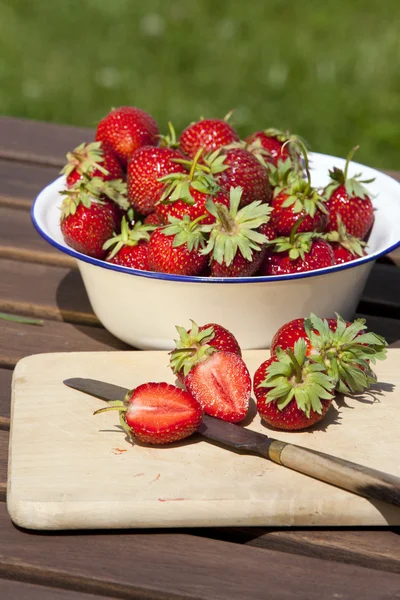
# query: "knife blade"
(353, 477)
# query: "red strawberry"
(295, 254)
(176, 248)
(87, 221)
(345, 247)
(274, 142)
(209, 134)
(222, 385)
(125, 129)
(349, 199)
(152, 219)
(130, 246)
(345, 349)
(93, 160)
(158, 413)
(292, 392)
(145, 169)
(235, 244)
(241, 168)
(198, 344)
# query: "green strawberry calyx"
(84, 193)
(85, 158)
(121, 406)
(169, 140)
(235, 230)
(191, 348)
(129, 236)
(293, 377)
(282, 176)
(186, 232)
(346, 352)
(179, 186)
(297, 244)
(350, 242)
(354, 186)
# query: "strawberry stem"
(224, 217)
(348, 160)
(194, 163)
(294, 230)
(296, 365)
(109, 408)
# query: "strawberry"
(152, 219)
(275, 142)
(297, 253)
(176, 248)
(158, 413)
(241, 168)
(187, 193)
(146, 167)
(283, 175)
(209, 134)
(349, 198)
(93, 160)
(235, 244)
(130, 246)
(345, 349)
(125, 129)
(197, 344)
(222, 385)
(87, 219)
(292, 391)
(345, 247)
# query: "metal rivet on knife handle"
(275, 451)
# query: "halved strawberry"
(222, 385)
(158, 413)
(292, 391)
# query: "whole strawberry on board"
(209, 134)
(237, 167)
(298, 253)
(176, 248)
(345, 247)
(146, 169)
(91, 160)
(298, 201)
(345, 349)
(197, 344)
(157, 413)
(130, 248)
(235, 244)
(187, 193)
(88, 216)
(125, 129)
(349, 198)
(292, 391)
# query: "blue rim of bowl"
(198, 279)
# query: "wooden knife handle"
(356, 478)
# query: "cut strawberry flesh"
(222, 385)
(160, 413)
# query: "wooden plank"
(173, 565)
(5, 397)
(61, 295)
(20, 241)
(13, 590)
(18, 340)
(376, 549)
(4, 437)
(20, 183)
(38, 142)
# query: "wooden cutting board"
(69, 469)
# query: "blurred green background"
(328, 70)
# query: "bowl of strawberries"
(248, 233)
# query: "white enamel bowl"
(142, 308)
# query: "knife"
(350, 476)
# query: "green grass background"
(328, 70)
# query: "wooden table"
(241, 563)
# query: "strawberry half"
(345, 349)
(209, 134)
(222, 385)
(93, 160)
(292, 392)
(349, 198)
(197, 344)
(158, 413)
(125, 129)
(129, 248)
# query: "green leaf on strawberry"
(186, 232)
(129, 236)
